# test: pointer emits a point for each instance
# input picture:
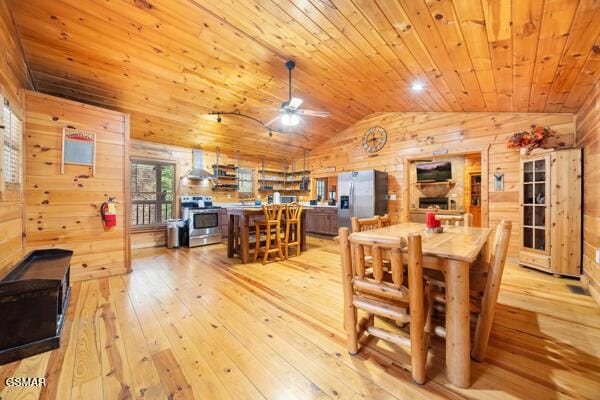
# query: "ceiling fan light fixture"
(290, 119)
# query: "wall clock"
(374, 139)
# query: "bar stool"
(272, 227)
(293, 211)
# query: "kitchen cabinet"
(224, 224)
(322, 220)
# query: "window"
(321, 189)
(152, 193)
(12, 136)
(245, 180)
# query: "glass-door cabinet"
(535, 204)
(550, 208)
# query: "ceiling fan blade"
(295, 102)
(265, 109)
(314, 113)
(273, 120)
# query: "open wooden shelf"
(225, 166)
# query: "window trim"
(11, 186)
(149, 161)
(325, 194)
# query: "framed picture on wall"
(78, 148)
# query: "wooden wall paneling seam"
(445, 20)
(353, 16)
(283, 16)
(127, 193)
(350, 39)
(588, 137)
(156, 39)
(412, 41)
(497, 17)
(557, 19)
(354, 58)
(414, 135)
(471, 19)
(380, 22)
(584, 32)
(584, 84)
(421, 20)
(13, 79)
(98, 252)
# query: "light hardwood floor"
(193, 324)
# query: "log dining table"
(453, 252)
(241, 221)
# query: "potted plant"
(526, 141)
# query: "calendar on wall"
(79, 148)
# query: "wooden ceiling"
(169, 62)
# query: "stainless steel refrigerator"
(363, 194)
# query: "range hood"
(197, 171)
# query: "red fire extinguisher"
(109, 213)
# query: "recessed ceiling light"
(417, 86)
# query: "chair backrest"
(385, 221)
(293, 211)
(272, 212)
(375, 286)
(381, 297)
(499, 252)
(364, 224)
(466, 219)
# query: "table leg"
(230, 237)
(244, 238)
(303, 245)
(458, 366)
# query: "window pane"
(528, 237)
(540, 216)
(528, 193)
(166, 178)
(528, 215)
(540, 193)
(528, 171)
(152, 192)
(540, 170)
(540, 239)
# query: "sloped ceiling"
(170, 62)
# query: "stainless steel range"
(202, 219)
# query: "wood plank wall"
(588, 136)
(182, 158)
(63, 211)
(414, 134)
(13, 79)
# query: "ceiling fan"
(290, 112)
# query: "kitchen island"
(241, 222)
